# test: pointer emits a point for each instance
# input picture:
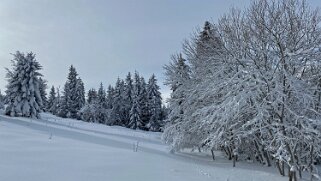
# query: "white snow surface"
(56, 149)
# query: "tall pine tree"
(43, 93)
(72, 98)
(154, 104)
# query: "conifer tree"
(143, 103)
(101, 105)
(72, 98)
(154, 104)
(92, 96)
(23, 89)
(135, 111)
(80, 94)
(51, 99)
(109, 99)
(135, 120)
(127, 98)
(43, 93)
(116, 114)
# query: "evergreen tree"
(23, 89)
(101, 96)
(57, 103)
(43, 93)
(135, 120)
(110, 95)
(101, 105)
(80, 94)
(154, 104)
(143, 103)
(135, 111)
(92, 96)
(116, 115)
(127, 98)
(72, 98)
(63, 102)
(51, 100)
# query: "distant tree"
(154, 104)
(91, 96)
(51, 99)
(43, 93)
(116, 112)
(127, 98)
(135, 111)
(89, 112)
(109, 98)
(23, 88)
(143, 103)
(101, 105)
(135, 120)
(73, 95)
(80, 94)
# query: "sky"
(103, 39)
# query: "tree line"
(131, 103)
(250, 86)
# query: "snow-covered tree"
(89, 113)
(127, 98)
(52, 100)
(135, 114)
(109, 98)
(116, 116)
(143, 103)
(23, 89)
(80, 94)
(101, 105)
(135, 111)
(254, 87)
(92, 96)
(43, 93)
(154, 104)
(73, 95)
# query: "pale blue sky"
(103, 39)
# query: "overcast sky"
(103, 39)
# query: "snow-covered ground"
(54, 149)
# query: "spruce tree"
(143, 103)
(51, 99)
(101, 96)
(116, 114)
(101, 105)
(154, 104)
(127, 98)
(135, 111)
(72, 98)
(56, 106)
(110, 95)
(80, 94)
(63, 103)
(92, 96)
(135, 120)
(43, 93)
(23, 89)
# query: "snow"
(65, 149)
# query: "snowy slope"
(63, 149)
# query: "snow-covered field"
(55, 149)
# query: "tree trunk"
(213, 156)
